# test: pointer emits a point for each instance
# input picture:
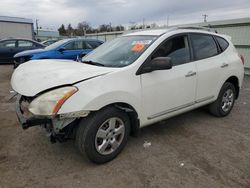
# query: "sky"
(53, 13)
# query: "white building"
(16, 27)
(45, 34)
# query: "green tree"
(119, 28)
(70, 30)
(104, 28)
(62, 30)
(83, 28)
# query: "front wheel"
(103, 135)
(225, 101)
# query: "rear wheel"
(225, 101)
(103, 135)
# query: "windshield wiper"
(93, 63)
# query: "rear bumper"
(29, 122)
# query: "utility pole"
(110, 26)
(205, 17)
(167, 20)
(37, 27)
(143, 23)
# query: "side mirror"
(158, 63)
(61, 49)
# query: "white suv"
(130, 82)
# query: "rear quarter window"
(222, 43)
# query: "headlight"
(49, 103)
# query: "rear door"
(7, 50)
(208, 63)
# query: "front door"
(167, 91)
(73, 50)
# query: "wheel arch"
(132, 114)
(235, 81)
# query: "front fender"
(80, 102)
(96, 93)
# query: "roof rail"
(198, 28)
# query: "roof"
(159, 32)
(155, 32)
(15, 19)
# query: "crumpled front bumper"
(30, 121)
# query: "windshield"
(56, 44)
(119, 52)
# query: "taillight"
(242, 58)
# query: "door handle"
(224, 65)
(190, 73)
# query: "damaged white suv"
(130, 82)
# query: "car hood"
(36, 76)
(29, 52)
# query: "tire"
(223, 105)
(97, 137)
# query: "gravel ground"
(192, 150)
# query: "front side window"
(57, 44)
(8, 44)
(120, 52)
(176, 48)
(24, 43)
(204, 46)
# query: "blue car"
(63, 49)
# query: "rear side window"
(86, 45)
(94, 44)
(204, 46)
(222, 42)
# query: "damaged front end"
(60, 127)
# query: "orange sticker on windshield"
(138, 47)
